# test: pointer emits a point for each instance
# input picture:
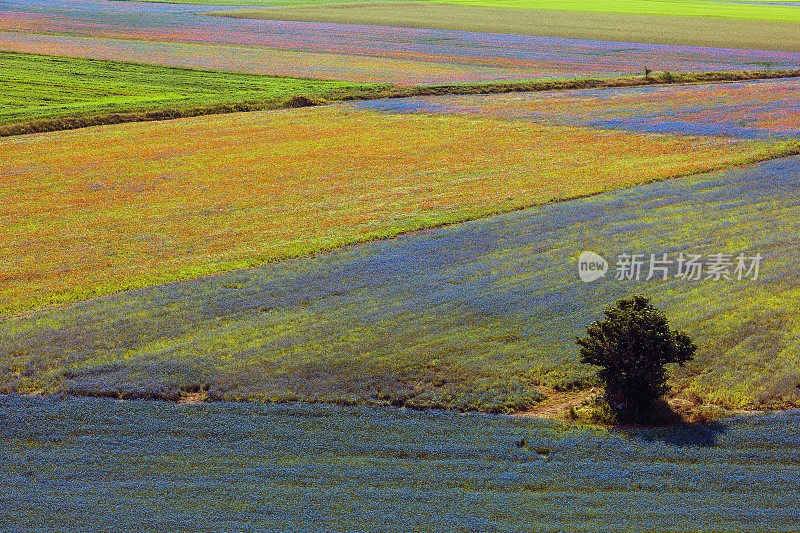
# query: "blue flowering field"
(759, 109)
(87, 464)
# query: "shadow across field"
(703, 435)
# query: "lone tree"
(632, 345)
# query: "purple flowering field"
(174, 35)
(748, 109)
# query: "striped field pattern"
(469, 316)
(133, 204)
(172, 35)
(247, 256)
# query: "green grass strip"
(48, 93)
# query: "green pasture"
(43, 90)
(682, 8)
(745, 30)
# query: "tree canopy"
(633, 345)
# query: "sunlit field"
(271, 61)
(774, 28)
(169, 35)
(761, 10)
(313, 265)
(93, 211)
(62, 90)
(475, 316)
(753, 109)
(752, 10)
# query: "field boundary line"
(398, 91)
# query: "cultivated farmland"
(252, 214)
(733, 26)
(470, 316)
(157, 202)
(51, 93)
(234, 467)
(749, 110)
(350, 52)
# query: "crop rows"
(49, 90)
(244, 257)
(138, 204)
(350, 52)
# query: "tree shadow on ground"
(662, 423)
(703, 435)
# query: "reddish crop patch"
(99, 210)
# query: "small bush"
(604, 414)
(708, 413)
(300, 101)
